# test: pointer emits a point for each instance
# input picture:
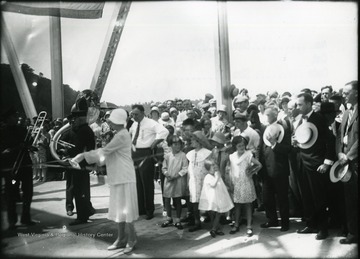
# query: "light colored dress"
(196, 172)
(175, 164)
(116, 155)
(215, 198)
(243, 185)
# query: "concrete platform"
(53, 237)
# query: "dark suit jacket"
(276, 160)
(351, 150)
(324, 148)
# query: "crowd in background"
(260, 166)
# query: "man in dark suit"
(315, 162)
(276, 173)
(83, 138)
(348, 153)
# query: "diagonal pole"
(15, 66)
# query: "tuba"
(93, 113)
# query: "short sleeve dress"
(244, 188)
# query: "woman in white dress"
(123, 204)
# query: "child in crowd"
(197, 172)
(214, 197)
(242, 167)
(175, 167)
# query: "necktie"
(303, 118)
(136, 134)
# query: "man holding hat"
(348, 154)
(219, 122)
(277, 144)
(316, 158)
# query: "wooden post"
(57, 88)
(222, 59)
(19, 78)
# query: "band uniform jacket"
(323, 148)
(276, 159)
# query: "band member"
(82, 136)
(15, 145)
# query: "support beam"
(57, 88)
(110, 44)
(15, 66)
(222, 59)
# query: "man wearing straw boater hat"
(316, 158)
(348, 155)
(277, 144)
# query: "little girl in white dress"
(214, 197)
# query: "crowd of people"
(292, 153)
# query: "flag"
(78, 10)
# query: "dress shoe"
(195, 228)
(307, 230)
(249, 232)
(12, 227)
(321, 235)
(234, 230)
(348, 240)
(116, 246)
(69, 213)
(219, 232)
(178, 225)
(213, 233)
(77, 222)
(149, 216)
(28, 223)
(284, 228)
(129, 248)
(269, 224)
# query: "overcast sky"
(167, 49)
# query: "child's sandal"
(178, 225)
(167, 223)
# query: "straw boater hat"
(306, 135)
(340, 172)
(200, 137)
(274, 129)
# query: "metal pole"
(222, 59)
(57, 88)
(15, 66)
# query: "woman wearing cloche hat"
(123, 202)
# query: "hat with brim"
(200, 137)
(222, 108)
(306, 135)
(219, 137)
(118, 116)
(271, 131)
(234, 91)
(340, 172)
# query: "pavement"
(53, 237)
